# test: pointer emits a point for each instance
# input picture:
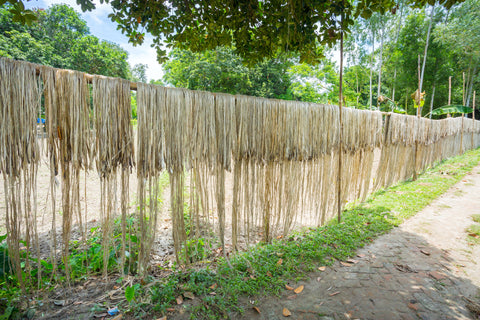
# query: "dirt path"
(421, 270)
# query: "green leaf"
(129, 293)
(452, 109)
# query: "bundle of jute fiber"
(20, 96)
(397, 155)
(362, 134)
(150, 162)
(113, 151)
(70, 146)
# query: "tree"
(314, 83)
(61, 39)
(221, 70)
(462, 35)
(139, 73)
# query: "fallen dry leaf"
(170, 309)
(360, 255)
(425, 252)
(179, 300)
(189, 295)
(286, 312)
(162, 318)
(319, 279)
(334, 294)
(213, 293)
(292, 297)
(279, 262)
(473, 235)
(288, 287)
(345, 264)
(298, 290)
(256, 309)
(322, 268)
(118, 317)
(413, 306)
(352, 261)
(115, 287)
(213, 286)
(269, 274)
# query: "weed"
(476, 218)
(473, 232)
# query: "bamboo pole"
(473, 115)
(340, 148)
(463, 97)
(89, 78)
(419, 113)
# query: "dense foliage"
(221, 70)
(60, 38)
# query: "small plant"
(163, 295)
(476, 218)
(131, 292)
(473, 232)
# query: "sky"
(101, 27)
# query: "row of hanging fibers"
(412, 144)
(241, 169)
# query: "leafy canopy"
(257, 28)
(60, 38)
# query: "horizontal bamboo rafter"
(89, 78)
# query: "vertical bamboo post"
(340, 148)
(419, 112)
(463, 101)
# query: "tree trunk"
(356, 79)
(393, 85)
(470, 87)
(371, 68)
(399, 26)
(431, 101)
(380, 67)
(426, 47)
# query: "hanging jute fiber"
(20, 97)
(241, 169)
(114, 152)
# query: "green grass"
(476, 218)
(259, 271)
(473, 232)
